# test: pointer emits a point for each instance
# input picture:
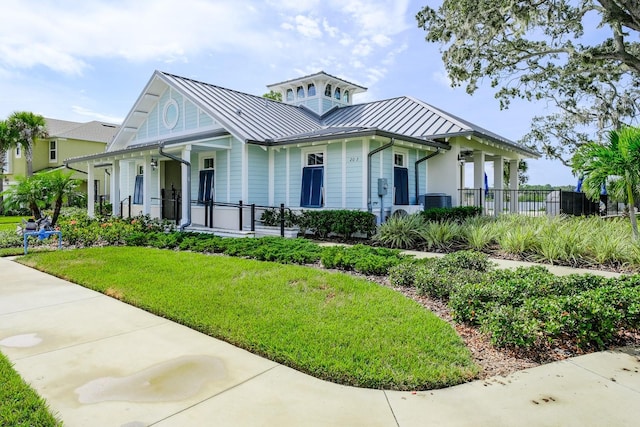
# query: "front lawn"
(19, 404)
(9, 223)
(330, 325)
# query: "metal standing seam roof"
(249, 116)
(256, 119)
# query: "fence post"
(129, 211)
(210, 213)
(206, 213)
(240, 215)
(281, 219)
(253, 217)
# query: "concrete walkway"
(100, 362)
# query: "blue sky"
(90, 60)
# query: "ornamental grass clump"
(401, 232)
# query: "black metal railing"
(128, 200)
(104, 207)
(209, 208)
(534, 202)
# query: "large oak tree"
(582, 56)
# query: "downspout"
(371, 153)
(417, 175)
(188, 198)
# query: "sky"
(90, 60)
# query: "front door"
(171, 189)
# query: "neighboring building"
(314, 150)
(66, 139)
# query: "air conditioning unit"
(435, 200)
(404, 210)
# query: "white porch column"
(478, 176)
(146, 186)
(498, 185)
(91, 194)
(186, 198)
(513, 185)
(115, 188)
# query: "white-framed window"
(327, 90)
(289, 95)
(336, 93)
(300, 92)
(18, 152)
(399, 160)
(345, 96)
(208, 163)
(140, 169)
(311, 89)
(53, 151)
(315, 158)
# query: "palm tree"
(59, 186)
(7, 141)
(616, 162)
(27, 192)
(29, 127)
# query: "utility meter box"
(383, 187)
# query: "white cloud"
(332, 31)
(442, 78)
(64, 35)
(363, 48)
(296, 6)
(308, 27)
(96, 116)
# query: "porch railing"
(534, 202)
(253, 209)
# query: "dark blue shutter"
(138, 194)
(401, 183)
(205, 190)
(312, 178)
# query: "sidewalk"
(100, 362)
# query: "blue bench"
(42, 234)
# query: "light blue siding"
(205, 120)
(258, 176)
(333, 177)
(355, 169)
(236, 171)
(152, 122)
(195, 175)
(295, 176)
(191, 115)
(280, 177)
(221, 183)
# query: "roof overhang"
(350, 133)
(194, 138)
(504, 142)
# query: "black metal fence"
(536, 202)
(243, 210)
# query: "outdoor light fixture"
(154, 163)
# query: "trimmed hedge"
(455, 214)
(344, 223)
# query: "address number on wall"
(354, 159)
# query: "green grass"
(9, 223)
(19, 404)
(330, 325)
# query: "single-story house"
(194, 143)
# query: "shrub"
(511, 326)
(456, 214)
(343, 223)
(440, 283)
(402, 232)
(465, 260)
(403, 274)
(361, 258)
(271, 218)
